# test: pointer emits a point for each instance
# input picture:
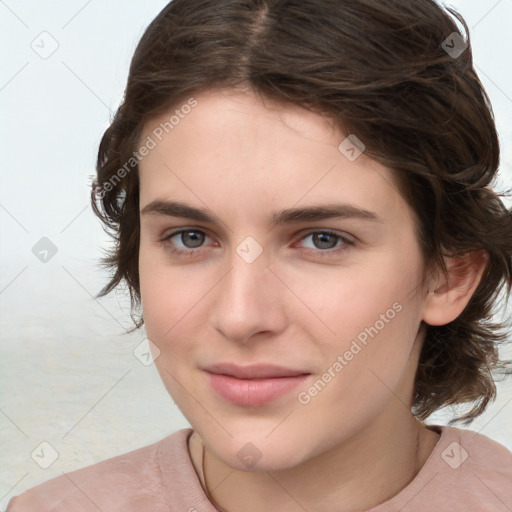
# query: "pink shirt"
(465, 472)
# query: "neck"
(368, 469)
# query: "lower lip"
(253, 392)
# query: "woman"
(300, 196)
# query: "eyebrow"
(287, 216)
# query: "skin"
(355, 444)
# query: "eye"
(193, 239)
(325, 242)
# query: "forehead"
(256, 152)
(246, 114)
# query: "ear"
(447, 298)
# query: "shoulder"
(473, 451)
(465, 471)
(487, 460)
(477, 470)
(127, 482)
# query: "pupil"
(324, 239)
(196, 238)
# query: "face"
(295, 263)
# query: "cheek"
(160, 296)
(168, 293)
(175, 305)
(339, 303)
(375, 317)
(370, 318)
(166, 303)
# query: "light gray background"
(68, 375)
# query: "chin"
(256, 452)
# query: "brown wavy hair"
(381, 71)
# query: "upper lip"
(256, 371)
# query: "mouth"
(253, 386)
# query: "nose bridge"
(247, 283)
(245, 303)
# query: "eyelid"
(178, 231)
(342, 234)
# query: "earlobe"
(447, 297)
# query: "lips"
(253, 386)
(259, 371)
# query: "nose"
(249, 300)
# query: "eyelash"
(318, 252)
